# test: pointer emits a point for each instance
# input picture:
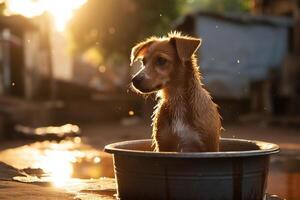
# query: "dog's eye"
(161, 61)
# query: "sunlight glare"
(77, 140)
(61, 11)
(59, 166)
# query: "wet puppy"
(185, 119)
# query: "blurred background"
(65, 75)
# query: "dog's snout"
(137, 80)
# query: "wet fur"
(185, 118)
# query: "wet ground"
(60, 160)
(69, 167)
(74, 166)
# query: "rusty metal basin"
(239, 171)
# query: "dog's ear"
(186, 46)
(139, 49)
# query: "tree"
(219, 6)
(116, 25)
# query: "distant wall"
(232, 54)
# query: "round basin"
(239, 171)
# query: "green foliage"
(116, 25)
(219, 6)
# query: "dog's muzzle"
(136, 81)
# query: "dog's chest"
(172, 121)
(180, 128)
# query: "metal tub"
(239, 171)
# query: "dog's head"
(158, 59)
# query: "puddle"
(69, 165)
(57, 132)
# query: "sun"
(61, 11)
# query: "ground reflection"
(60, 162)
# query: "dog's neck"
(181, 93)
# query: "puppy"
(185, 118)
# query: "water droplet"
(102, 69)
(131, 113)
(97, 160)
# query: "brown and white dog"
(185, 119)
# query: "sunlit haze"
(61, 11)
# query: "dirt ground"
(97, 135)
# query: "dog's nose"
(136, 80)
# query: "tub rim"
(266, 148)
